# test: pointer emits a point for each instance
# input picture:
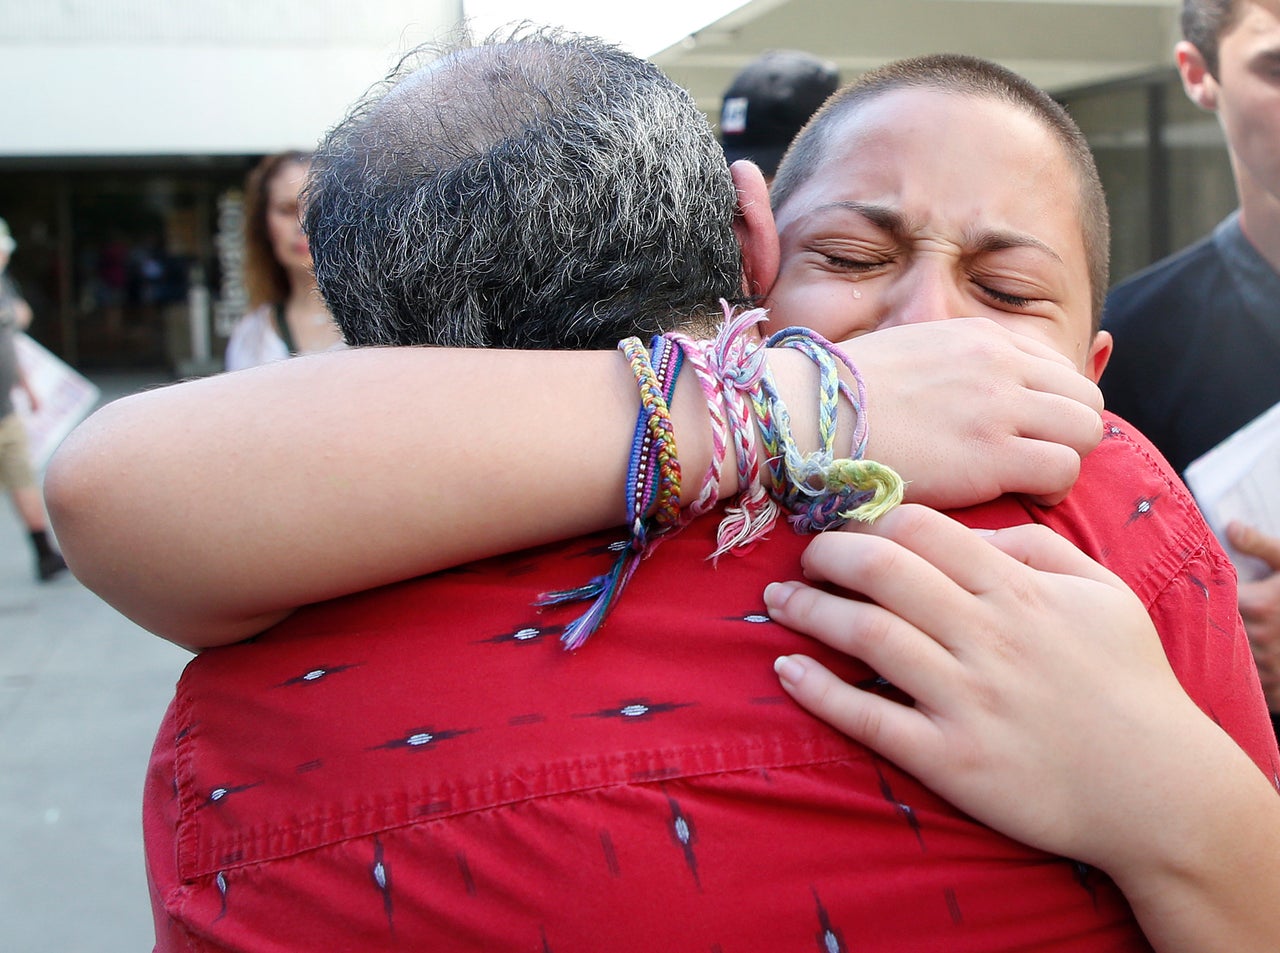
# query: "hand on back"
(1023, 647)
(966, 410)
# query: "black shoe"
(50, 565)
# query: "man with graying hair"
(422, 766)
(549, 191)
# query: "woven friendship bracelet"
(659, 371)
(823, 353)
(821, 491)
(792, 475)
(697, 354)
(854, 489)
(782, 457)
(795, 474)
(653, 481)
(818, 490)
(738, 363)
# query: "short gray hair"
(546, 190)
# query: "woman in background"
(287, 315)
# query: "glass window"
(1162, 161)
(110, 252)
(1201, 188)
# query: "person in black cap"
(769, 101)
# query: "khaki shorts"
(15, 460)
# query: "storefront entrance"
(114, 255)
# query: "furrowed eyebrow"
(894, 222)
(989, 241)
(881, 216)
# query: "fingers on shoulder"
(1044, 469)
(864, 716)
(858, 559)
(1040, 548)
(847, 624)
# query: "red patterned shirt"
(423, 767)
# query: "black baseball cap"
(770, 101)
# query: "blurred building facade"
(1163, 162)
(128, 127)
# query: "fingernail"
(776, 594)
(984, 532)
(788, 670)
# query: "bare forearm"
(207, 510)
(1209, 877)
(1020, 625)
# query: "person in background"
(1197, 335)
(287, 315)
(769, 101)
(16, 474)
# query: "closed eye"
(852, 264)
(1013, 301)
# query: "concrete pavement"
(82, 690)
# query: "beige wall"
(175, 77)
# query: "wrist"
(1185, 836)
(796, 379)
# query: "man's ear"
(1099, 355)
(755, 230)
(1200, 86)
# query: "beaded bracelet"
(656, 481)
(653, 481)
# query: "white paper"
(65, 397)
(1239, 479)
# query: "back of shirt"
(424, 767)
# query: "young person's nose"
(926, 292)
